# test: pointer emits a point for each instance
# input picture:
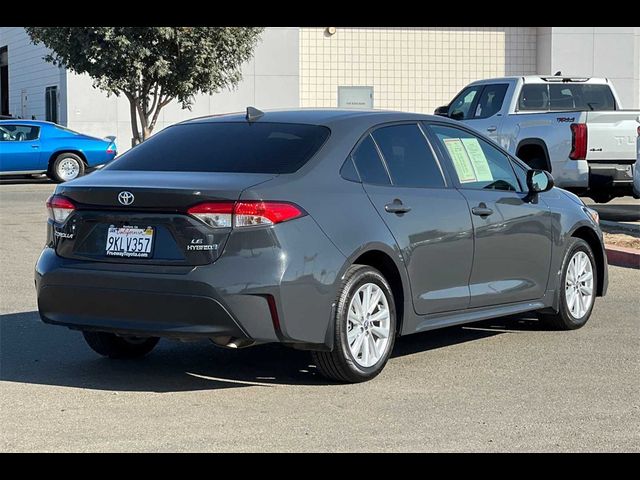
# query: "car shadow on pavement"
(36, 353)
(25, 181)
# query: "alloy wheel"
(68, 169)
(368, 325)
(579, 285)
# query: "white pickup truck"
(573, 127)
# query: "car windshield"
(238, 147)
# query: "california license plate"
(129, 242)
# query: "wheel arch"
(590, 236)
(528, 147)
(387, 266)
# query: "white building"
(414, 69)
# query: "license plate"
(129, 242)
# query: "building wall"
(611, 52)
(270, 80)
(414, 69)
(28, 72)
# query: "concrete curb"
(630, 227)
(623, 257)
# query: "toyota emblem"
(126, 198)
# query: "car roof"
(22, 121)
(319, 116)
(542, 79)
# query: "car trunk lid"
(152, 205)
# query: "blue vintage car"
(32, 147)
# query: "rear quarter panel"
(340, 208)
(93, 150)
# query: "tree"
(151, 66)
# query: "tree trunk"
(133, 113)
(142, 131)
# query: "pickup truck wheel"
(114, 346)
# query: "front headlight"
(595, 216)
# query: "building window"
(51, 103)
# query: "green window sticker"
(461, 161)
(478, 159)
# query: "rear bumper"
(176, 304)
(610, 176)
(136, 312)
(260, 290)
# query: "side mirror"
(539, 181)
(443, 111)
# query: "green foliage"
(152, 65)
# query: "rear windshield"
(566, 96)
(241, 147)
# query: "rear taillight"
(59, 208)
(214, 214)
(111, 151)
(245, 214)
(578, 141)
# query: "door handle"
(397, 207)
(482, 210)
(492, 128)
(35, 146)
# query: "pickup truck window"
(490, 101)
(477, 164)
(557, 97)
(460, 108)
(534, 97)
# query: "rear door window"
(235, 147)
(534, 96)
(369, 163)
(408, 156)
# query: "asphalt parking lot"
(500, 385)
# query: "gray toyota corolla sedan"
(333, 231)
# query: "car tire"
(67, 166)
(570, 316)
(114, 346)
(342, 364)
